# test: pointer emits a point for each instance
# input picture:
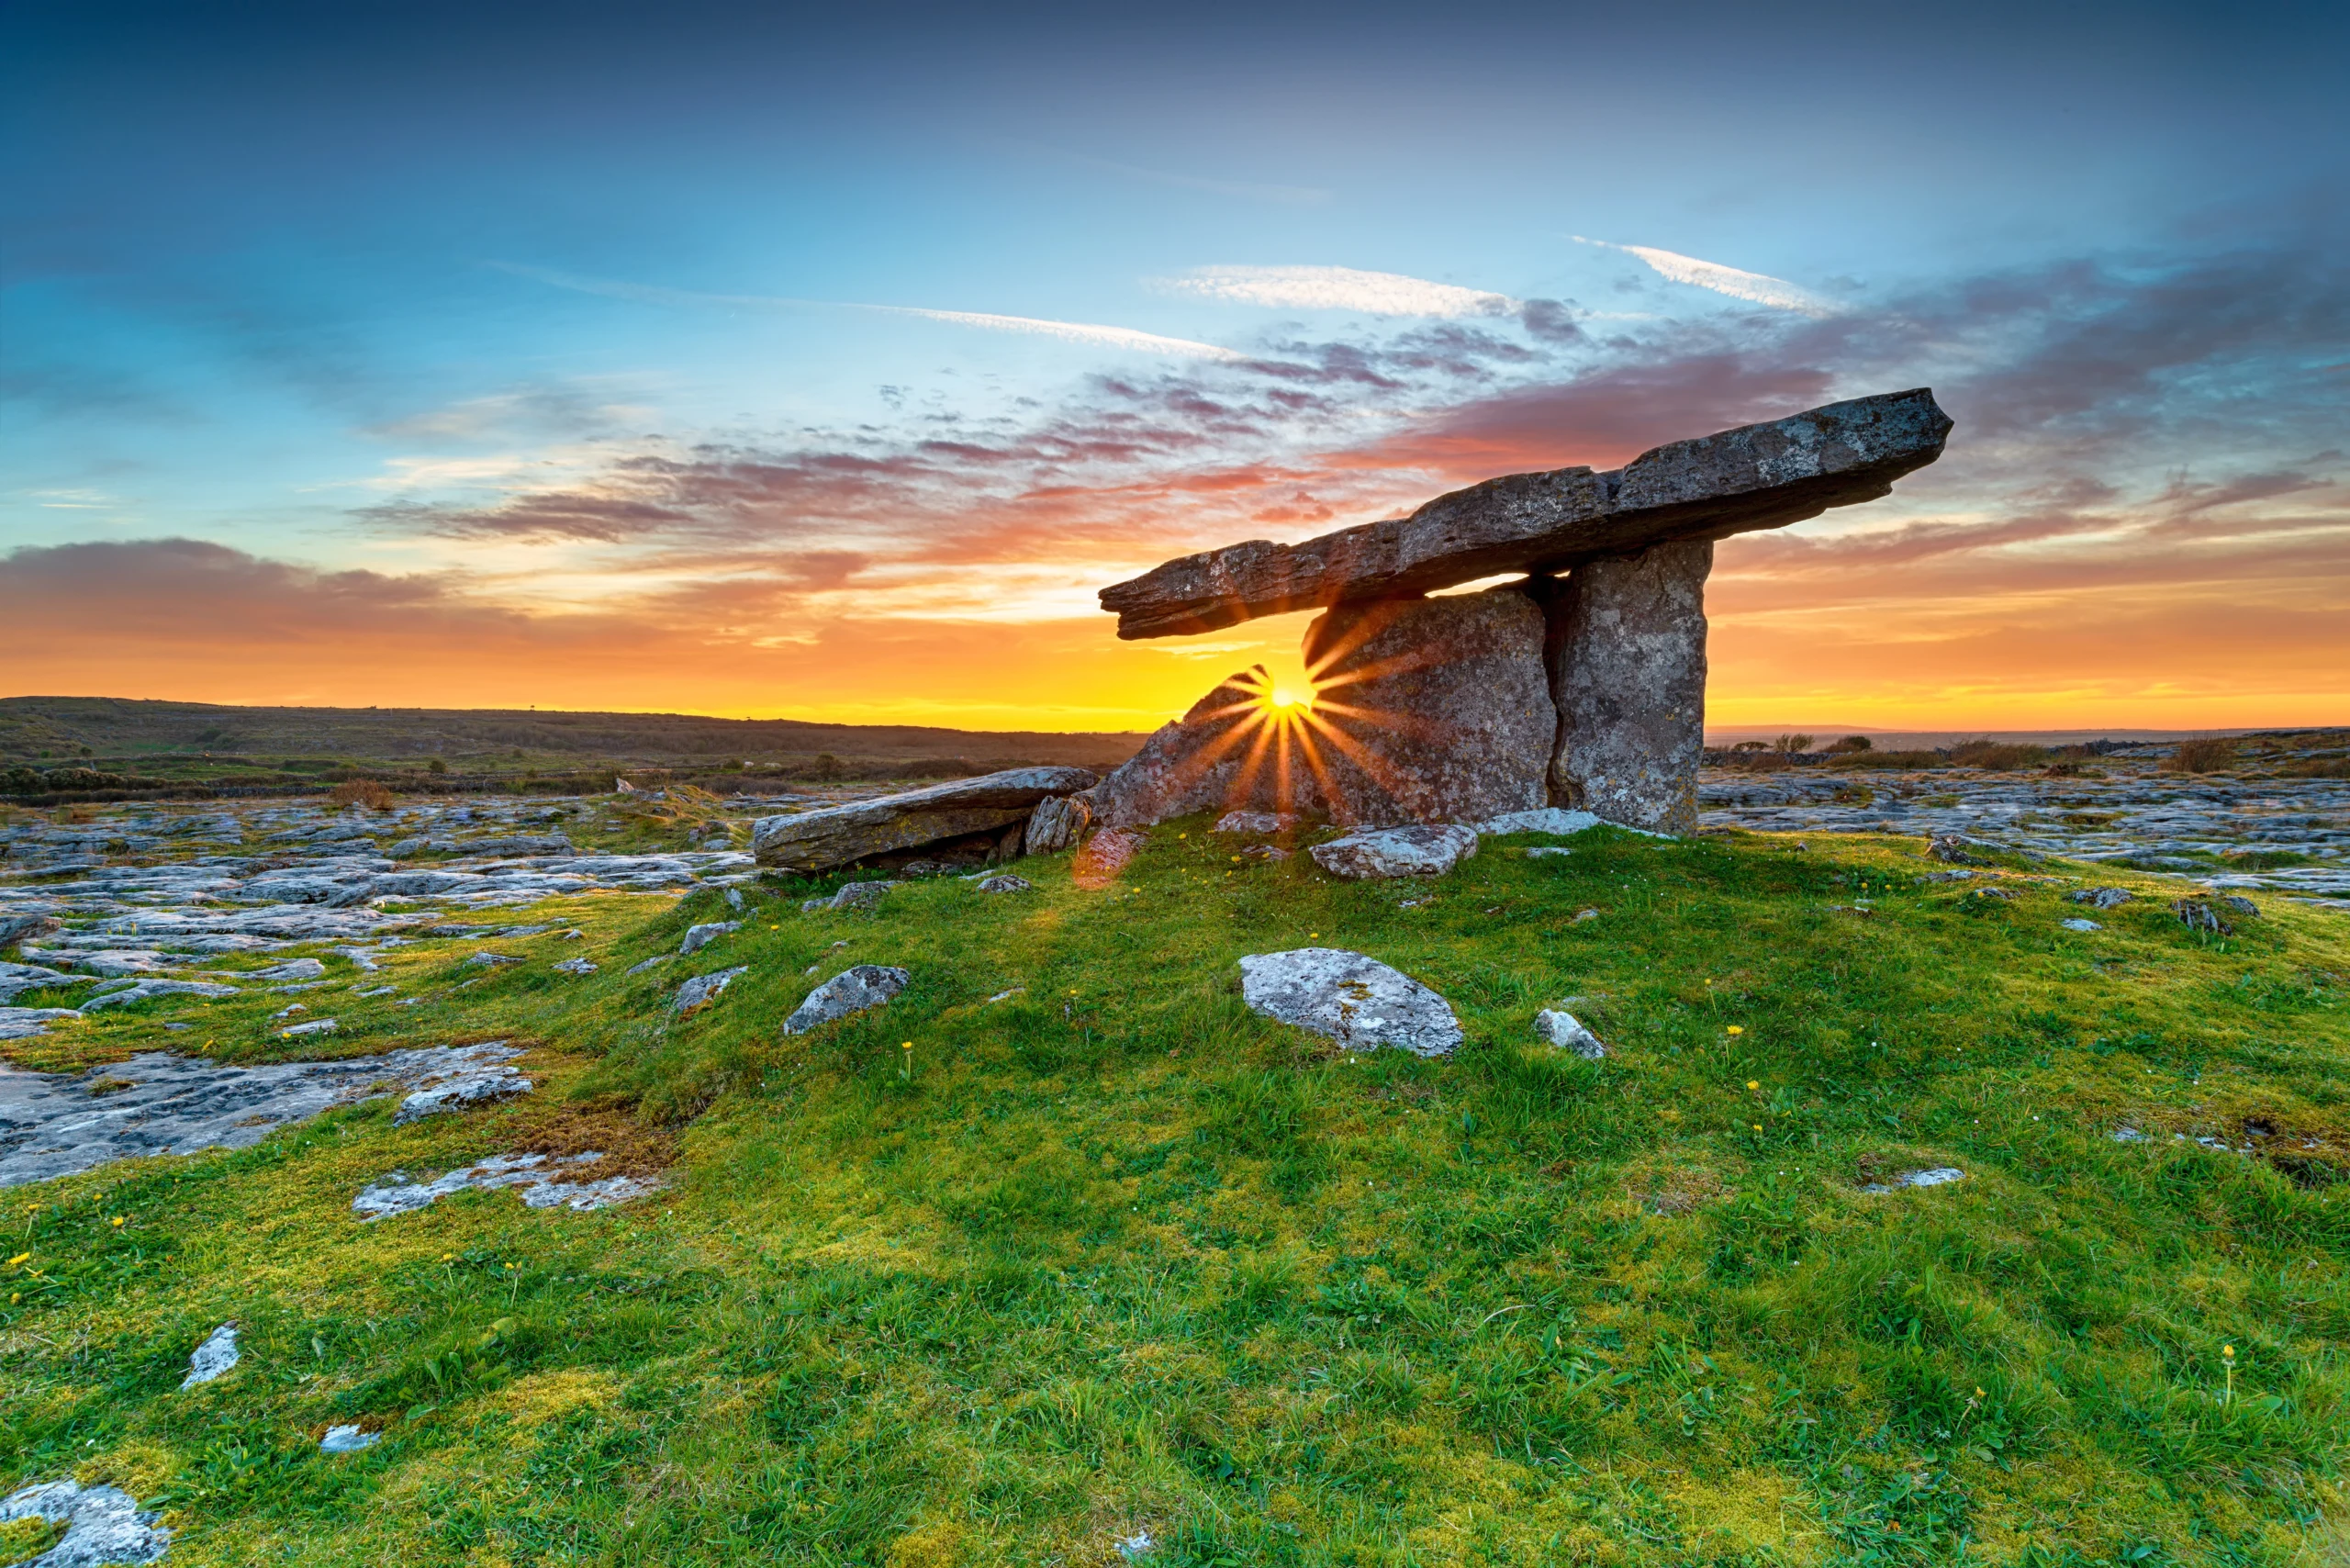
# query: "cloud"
(1755, 287)
(1337, 289)
(1126, 338)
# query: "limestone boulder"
(1396, 852)
(1229, 752)
(840, 836)
(1627, 665)
(851, 991)
(1430, 710)
(1350, 998)
(1057, 823)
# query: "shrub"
(1792, 746)
(436, 767)
(361, 792)
(1849, 744)
(1993, 755)
(2206, 755)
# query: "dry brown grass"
(361, 792)
(2206, 755)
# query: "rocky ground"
(2258, 825)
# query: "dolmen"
(1582, 685)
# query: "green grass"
(1115, 1254)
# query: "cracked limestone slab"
(1350, 998)
(538, 1177)
(103, 1524)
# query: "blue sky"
(476, 353)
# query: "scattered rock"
(702, 935)
(702, 989)
(851, 991)
(2101, 898)
(213, 1357)
(1397, 852)
(1135, 1547)
(1957, 849)
(654, 962)
(15, 928)
(856, 895)
(1554, 819)
(1006, 883)
(103, 1524)
(1262, 824)
(396, 1195)
(145, 990)
(2236, 903)
(835, 835)
(1057, 823)
(2196, 914)
(1266, 851)
(1104, 856)
(1935, 1177)
(1348, 997)
(315, 1027)
(474, 1083)
(1544, 851)
(491, 960)
(24, 1022)
(1583, 915)
(292, 970)
(17, 979)
(581, 965)
(2077, 924)
(1567, 1032)
(348, 1439)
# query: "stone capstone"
(1347, 997)
(1755, 476)
(1396, 852)
(838, 836)
(851, 991)
(1626, 661)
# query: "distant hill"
(126, 730)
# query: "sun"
(1282, 697)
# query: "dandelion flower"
(117, 1222)
(20, 1257)
(1312, 935)
(1737, 1029)
(2228, 1351)
(1980, 1395)
(1752, 1085)
(1758, 1126)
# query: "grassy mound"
(1111, 1257)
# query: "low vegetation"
(1065, 1247)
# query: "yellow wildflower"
(1752, 1084)
(117, 1222)
(1737, 1029)
(20, 1257)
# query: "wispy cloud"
(1126, 338)
(1756, 287)
(1337, 289)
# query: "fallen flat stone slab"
(1755, 477)
(1397, 852)
(103, 1524)
(1350, 998)
(212, 1358)
(822, 840)
(851, 991)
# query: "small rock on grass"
(213, 1357)
(2077, 924)
(470, 1086)
(654, 962)
(577, 966)
(1006, 883)
(702, 935)
(103, 1524)
(700, 990)
(491, 960)
(1397, 852)
(1958, 849)
(1350, 998)
(851, 991)
(1567, 1032)
(348, 1439)
(1938, 1175)
(315, 1027)
(1263, 824)
(856, 895)
(2101, 898)
(2198, 915)
(1271, 852)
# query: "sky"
(763, 360)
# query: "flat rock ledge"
(834, 836)
(851, 991)
(538, 1177)
(1397, 852)
(1350, 998)
(103, 1524)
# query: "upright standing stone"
(1227, 753)
(1628, 669)
(1430, 710)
